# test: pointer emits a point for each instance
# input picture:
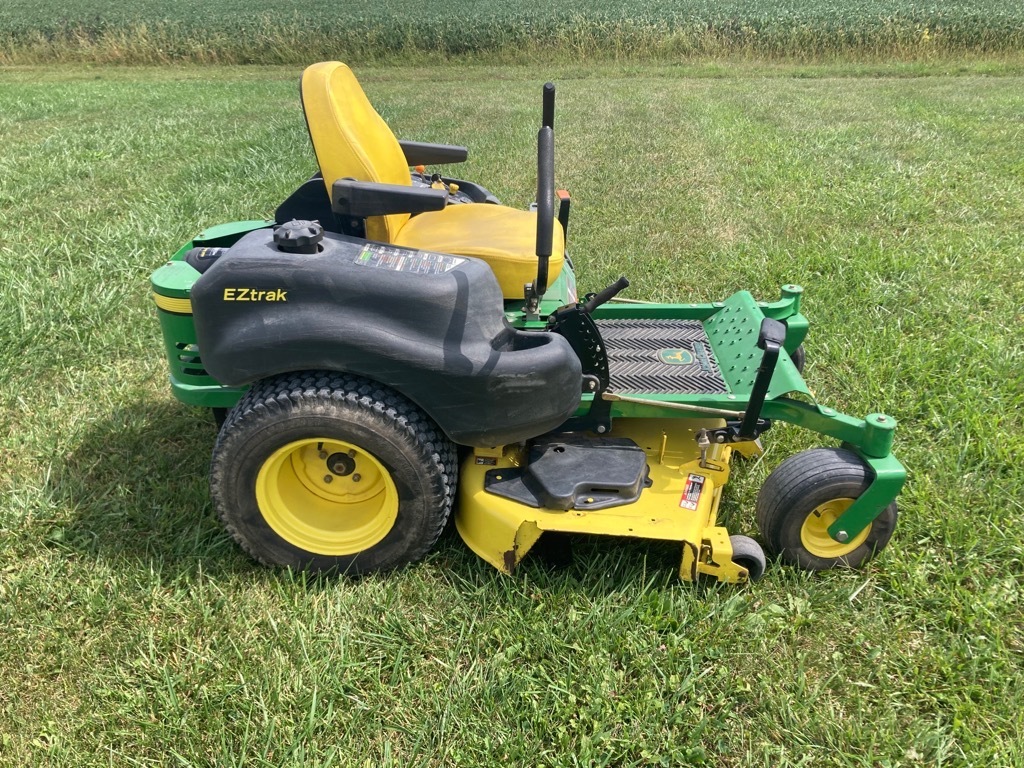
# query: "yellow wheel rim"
(326, 496)
(814, 532)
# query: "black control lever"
(595, 300)
(548, 116)
(770, 339)
(533, 292)
(545, 204)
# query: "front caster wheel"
(804, 496)
(748, 553)
(799, 358)
(329, 472)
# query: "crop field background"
(135, 633)
(299, 31)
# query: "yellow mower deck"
(680, 505)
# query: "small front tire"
(804, 496)
(799, 358)
(331, 472)
(748, 554)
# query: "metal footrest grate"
(660, 356)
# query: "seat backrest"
(350, 139)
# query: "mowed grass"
(297, 31)
(136, 633)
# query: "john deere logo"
(676, 356)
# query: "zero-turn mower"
(397, 344)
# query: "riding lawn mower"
(397, 345)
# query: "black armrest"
(359, 199)
(422, 153)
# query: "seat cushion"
(505, 238)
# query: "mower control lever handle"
(548, 118)
(545, 204)
(599, 298)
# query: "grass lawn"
(136, 633)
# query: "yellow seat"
(351, 141)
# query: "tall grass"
(294, 32)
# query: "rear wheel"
(804, 496)
(324, 471)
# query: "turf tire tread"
(816, 475)
(310, 391)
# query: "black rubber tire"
(801, 484)
(799, 358)
(220, 415)
(748, 553)
(421, 460)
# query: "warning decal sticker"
(691, 496)
(406, 260)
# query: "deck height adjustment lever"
(595, 300)
(576, 325)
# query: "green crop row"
(290, 31)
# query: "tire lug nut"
(328, 478)
(323, 455)
(356, 477)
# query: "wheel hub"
(814, 532)
(341, 464)
(327, 496)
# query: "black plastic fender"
(428, 325)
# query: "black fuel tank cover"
(298, 236)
